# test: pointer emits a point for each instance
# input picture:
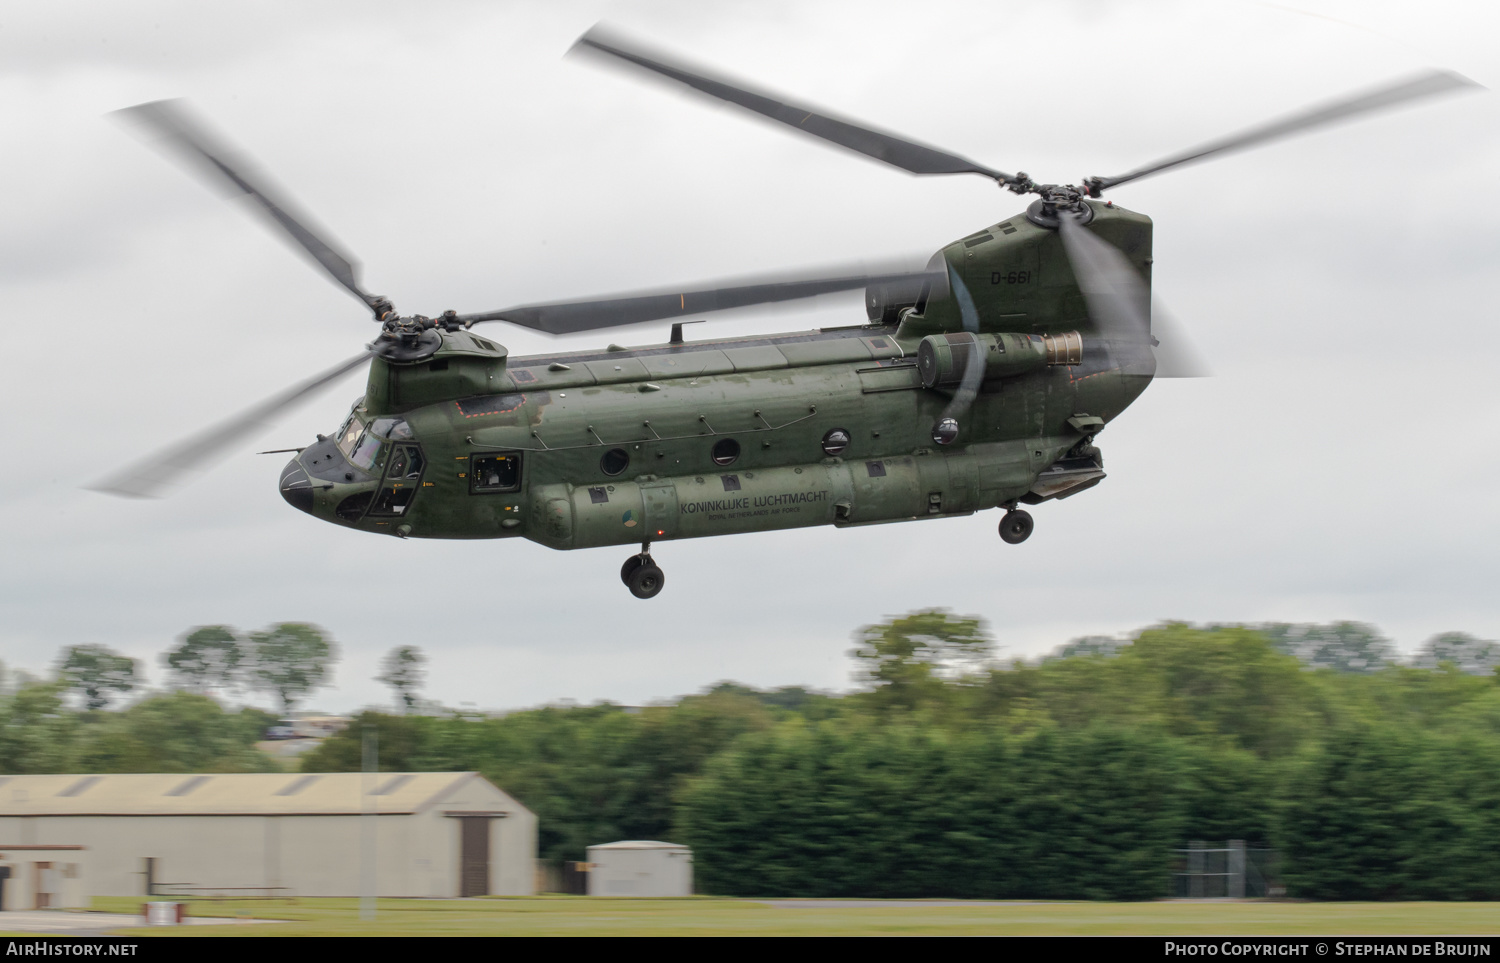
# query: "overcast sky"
(1341, 465)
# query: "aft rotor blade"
(152, 476)
(1426, 84)
(908, 155)
(1176, 354)
(567, 317)
(968, 386)
(1117, 298)
(169, 119)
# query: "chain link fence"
(1228, 870)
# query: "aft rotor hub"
(1043, 211)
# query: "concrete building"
(43, 877)
(434, 834)
(640, 867)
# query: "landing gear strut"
(1016, 526)
(641, 575)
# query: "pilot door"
(403, 478)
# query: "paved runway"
(882, 903)
(62, 923)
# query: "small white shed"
(640, 867)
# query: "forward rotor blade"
(1423, 85)
(188, 136)
(908, 155)
(152, 476)
(567, 317)
(1176, 355)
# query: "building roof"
(638, 844)
(221, 794)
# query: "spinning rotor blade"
(1117, 298)
(152, 476)
(566, 317)
(189, 137)
(1423, 85)
(968, 386)
(945, 431)
(1176, 355)
(899, 152)
(1120, 305)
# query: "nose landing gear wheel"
(1016, 526)
(646, 579)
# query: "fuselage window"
(726, 450)
(495, 473)
(614, 461)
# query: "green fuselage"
(718, 437)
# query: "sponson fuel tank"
(835, 491)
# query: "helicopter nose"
(296, 487)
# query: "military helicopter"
(979, 381)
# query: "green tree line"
(168, 732)
(947, 774)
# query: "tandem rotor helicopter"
(980, 381)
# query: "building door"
(474, 856)
(43, 884)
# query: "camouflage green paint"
(666, 406)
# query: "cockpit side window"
(406, 463)
(401, 481)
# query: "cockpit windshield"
(365, 445)
(349, 434)
(369, 452)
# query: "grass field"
(581, 916)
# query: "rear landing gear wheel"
(646, 580)
(631, 564)
(1016, 526)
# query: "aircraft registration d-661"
(977, 382)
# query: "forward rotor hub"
(407, 339)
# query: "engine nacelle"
(884, 302)
(942, 359)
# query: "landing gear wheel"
(1016, 526)
(631, 564)
(646, 580)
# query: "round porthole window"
(726, 450)
(614, 461)
(835, 441)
